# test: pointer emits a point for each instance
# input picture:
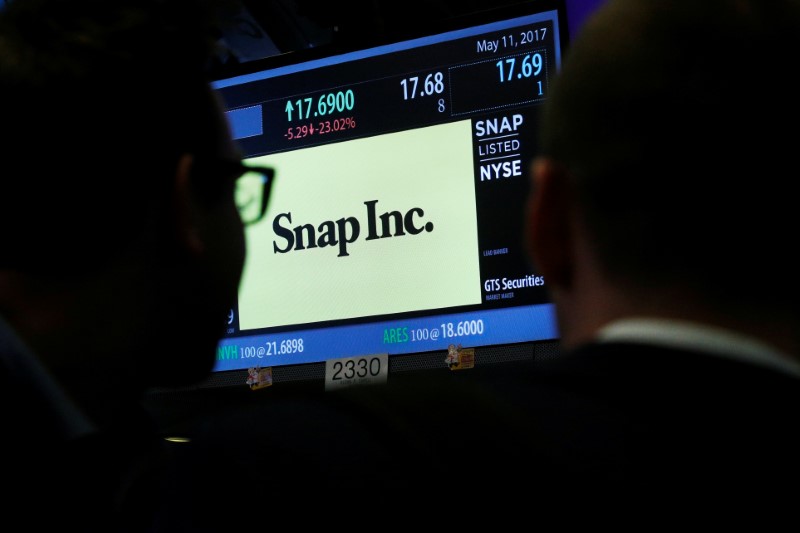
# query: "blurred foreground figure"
(662, 216)
(121, 244)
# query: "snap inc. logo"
(346, 230)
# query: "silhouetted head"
(673, 120)
(113, 202)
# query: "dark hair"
(675, 120)
(99, 99)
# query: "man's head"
(669, 135)
(111, 201)
(99, 103)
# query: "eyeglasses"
(251, 184)
(251, 192)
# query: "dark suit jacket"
(619, 427)
(61, 472)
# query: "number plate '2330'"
(361, 370)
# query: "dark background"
(254, 29)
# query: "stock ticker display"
(395, 223)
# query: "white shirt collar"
(713, 340)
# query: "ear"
(187, 231)
(549, 232)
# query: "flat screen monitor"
(393, 238)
